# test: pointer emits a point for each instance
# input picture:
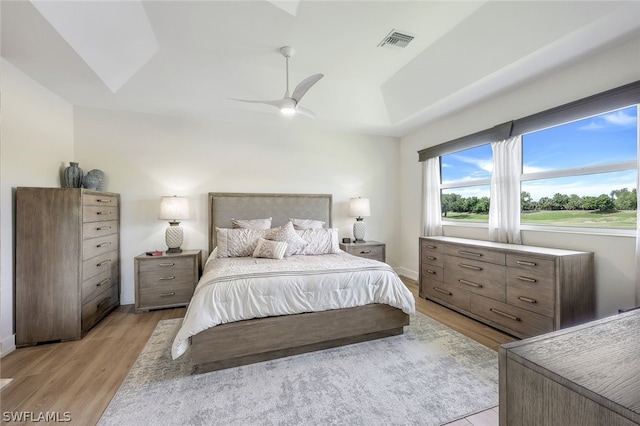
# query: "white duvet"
(241, 288)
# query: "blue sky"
(602, 139)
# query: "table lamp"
(359, 207)
(174, 209)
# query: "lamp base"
(358, 231)
(173, 237)
(174, 250)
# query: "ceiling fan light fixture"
(288, 107)
(288, 111)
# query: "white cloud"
(620, 118)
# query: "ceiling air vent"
(396, 39)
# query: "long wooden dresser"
(522, 290)
(67, 262)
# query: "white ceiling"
(187, 58)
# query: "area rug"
(430, 375)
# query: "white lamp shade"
(174, 208)
(359, 207)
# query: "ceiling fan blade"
(276, 104)
(306, 112)
(305, 85)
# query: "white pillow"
(288, 234)
(238, 242)
(306, 224)
(251, 223)
(320, 241)
(270, 249)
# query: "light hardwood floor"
(81, 377)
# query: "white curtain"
(504, 210)
(431, 208)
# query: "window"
(465, 177)
(582, 173)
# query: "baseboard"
(413, 275)
(7, 345)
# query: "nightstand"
(166, 281)
(370, 249)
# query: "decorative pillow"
(286, 233)
(238, 242)
(270, 249)
(251, 223)
(306, 223)
(320, 241)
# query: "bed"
(220, 337)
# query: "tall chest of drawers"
(67, 262)
(522, 290)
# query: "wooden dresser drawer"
(530, 279)
(375, 252)
(170, 295)
(540, 300)
(431, 253)
(89, 199)
(100, 263)
(97, 284)
(169, 265)
(512, 319)
(99, 229)
(475, 253)
(432, 273)
(94, 309)
(537, 265)
(475, 276)
(448, 294)
(99, 213)
(97, 246)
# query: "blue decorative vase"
(72, 176)
(94, 179)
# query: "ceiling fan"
(289, 104)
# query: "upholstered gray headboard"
(281, 207)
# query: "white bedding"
(241, 288)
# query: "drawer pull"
(525, 263)
(469, 253)
(429, 271)
(439, 290)
(475, 268)
(100, 200)
(103, 228)
(504, 314)
(104, 302)
(431, 258)
(167, 264)
(106, 280)
(173, 293)
(526, 299)
(432, 247)
(167, 278)
(104, 262)
(103, 213)
(471, 283)
(108, 243)
(527, 279)
(365, 252)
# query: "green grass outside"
(594, 219)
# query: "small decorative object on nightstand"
(359, 207)
(174, 209)
(166, 281)
(371, 250)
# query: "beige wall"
(36, 144)
(614, 255)
(146, 156)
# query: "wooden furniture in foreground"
(370, 250)
(522, 290)
(261, 339)
(587, 375)
(67, 262)
(166, 281)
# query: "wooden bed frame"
(262, 339)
